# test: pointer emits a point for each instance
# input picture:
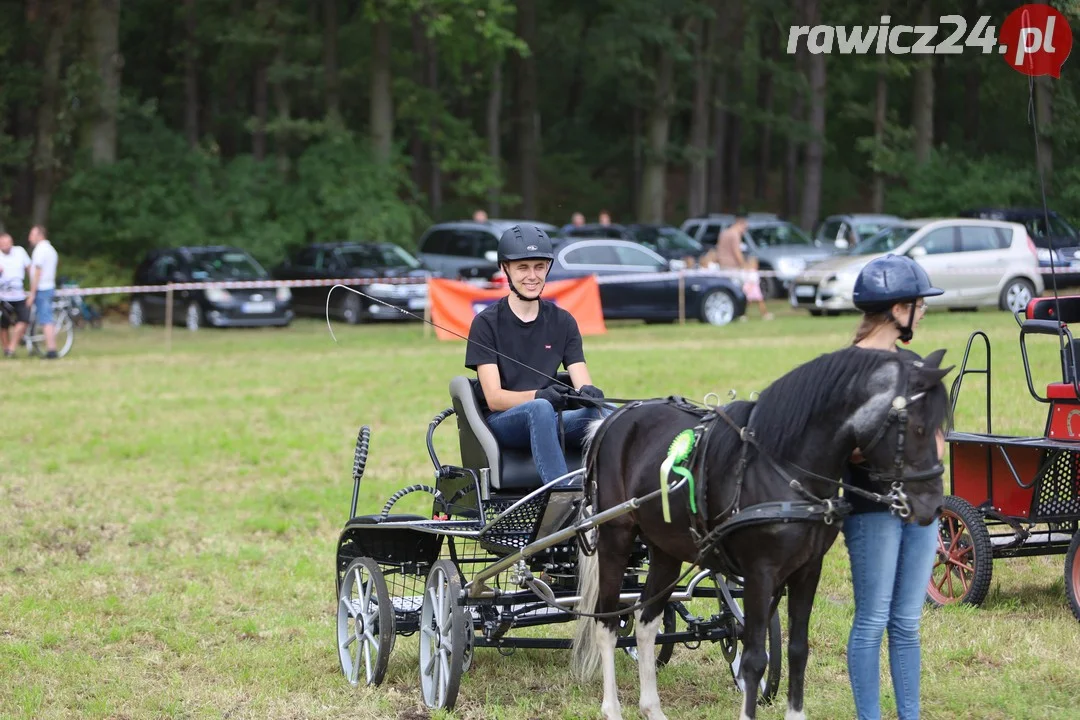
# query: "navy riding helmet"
(889, 280)
(892, 279)
(524, 242)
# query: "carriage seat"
(1061, 391)
(511, 469)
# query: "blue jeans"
(533, 425)
(891, 563)
(43, 306)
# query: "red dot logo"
(1035, 40)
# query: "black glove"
(591, 391)
(557, 395)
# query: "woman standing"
(891, 559)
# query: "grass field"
(170, 518)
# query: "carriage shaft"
(475, 587)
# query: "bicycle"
(34, 339)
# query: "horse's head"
(899, 430)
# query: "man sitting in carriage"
(516, 346)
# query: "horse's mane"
(785, 407)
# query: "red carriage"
(1015, 496)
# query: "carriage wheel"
(1072, 575)
(444, 629)
(663, 652)
(365, 624)
(732, 645)
(965, 556)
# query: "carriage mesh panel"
(1057, 494)
(514, 531)
(406, 589)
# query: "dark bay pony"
(805, 427)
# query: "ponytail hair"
(870, 322)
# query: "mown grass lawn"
(169, 521)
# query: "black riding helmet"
(524, 242)
(889, 280)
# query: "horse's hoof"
(653, 712)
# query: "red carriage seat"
(1048, 308)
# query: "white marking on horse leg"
(794, 714)
(744, 713)
(605, 640)
(649, 704)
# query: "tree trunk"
(528, 107)
(815, 148)
(258, 136)
(637, 162)
(923, 107)
(798, 111)
(23, 192)
(382, 99)
(653, 185)
(494, 110)
(881, 109)
(104, 54)
(699, 122)
(417, 148)
(191, 75)
(719, 40)
(734, 122)
(1044, 110)
(282, 103)
(436, 165)
(330, 64)
(45, 151)
(577, 79)
(770, 40)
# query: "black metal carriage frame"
(513, 560)
(1014, 496)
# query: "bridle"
(897, 499)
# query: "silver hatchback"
(976, 262)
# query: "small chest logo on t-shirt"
(547, 347)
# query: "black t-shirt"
(551, 340)
(859, 476)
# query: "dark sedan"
(637, 283)
(219, 307)
(347, 260)
(665, 240)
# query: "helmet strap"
(906, 332)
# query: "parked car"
(976, 262)
(217, 307)
(665, 240)
(779, 246)
(624, 294)
(1059, 238)
(847, 231)
(346, 260)
(467, 249)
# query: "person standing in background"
(13, 264)
(43, 260)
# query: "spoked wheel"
(1072, 575)
(444, 629)
(65, 335)
(732, 646)
(365, 625)
(965, 557)
(663, 652)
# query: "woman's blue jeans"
(534, 425)
(891, 563)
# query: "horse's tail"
(585, 660)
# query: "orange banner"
(454, 304)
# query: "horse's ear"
(934, 358)
(926, 377)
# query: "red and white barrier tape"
(237, 284)
(739, 276)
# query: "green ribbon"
(678, 452)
